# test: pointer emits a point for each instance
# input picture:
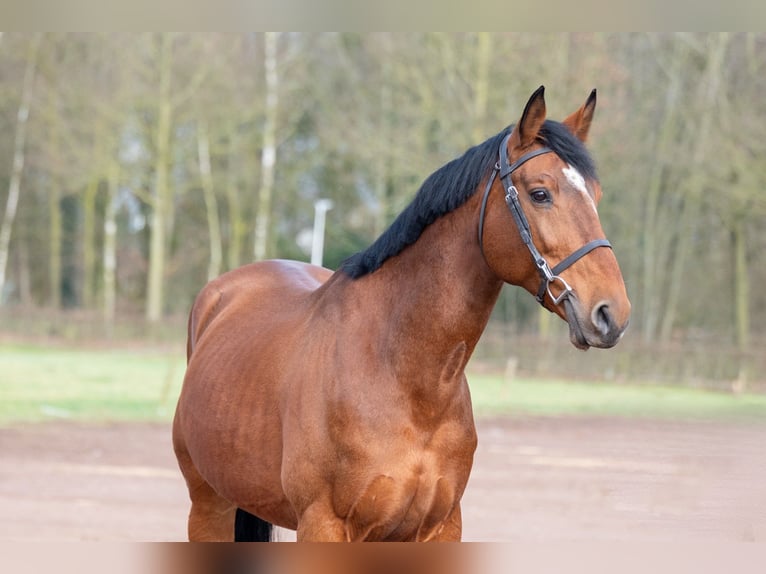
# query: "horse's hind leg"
(211, 518)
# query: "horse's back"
(252, 291)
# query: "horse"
(336, 403)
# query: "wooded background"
(134, 167)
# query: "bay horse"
(336, 404)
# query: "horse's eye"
(539, 195)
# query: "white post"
(321, 207)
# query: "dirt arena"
(533, 480)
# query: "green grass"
(41, 384)
(493, 396)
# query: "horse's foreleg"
(318, 523)
(211, 518)
(452, 529)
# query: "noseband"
(548, 276)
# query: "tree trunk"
(702, 145)
(741, 299)
(481, 88)
(237, 226)
(686, 222)
(269, 153)
(161, 203)
(54, 246)
(741, 285)
(653, 237)
(54, 209)
(110, 247)
(88, 243)
(213, 225)
(382, 159)
(24, 273)
(14, 186)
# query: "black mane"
(451, 185)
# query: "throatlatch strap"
(484, 207)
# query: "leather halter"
(548, 276)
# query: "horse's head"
(549, 217)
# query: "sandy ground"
(533, 480)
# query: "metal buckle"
(545, 269)
(563, 295)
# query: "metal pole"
(321, 207)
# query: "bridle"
(548, 276)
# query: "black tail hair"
(250, 528)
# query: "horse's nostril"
(602, 318)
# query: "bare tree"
(269, 151)
(109, 252)
(703, 145)
(161, 201)
(14, 186)
(211, 204)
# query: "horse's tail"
(250, 528)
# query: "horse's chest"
(402, 506)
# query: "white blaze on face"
(577, 181)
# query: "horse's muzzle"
(599, 328)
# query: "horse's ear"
(579, 122)
(531, 120)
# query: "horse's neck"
(437, 296)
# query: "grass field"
(39, 384)
(493, 396)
